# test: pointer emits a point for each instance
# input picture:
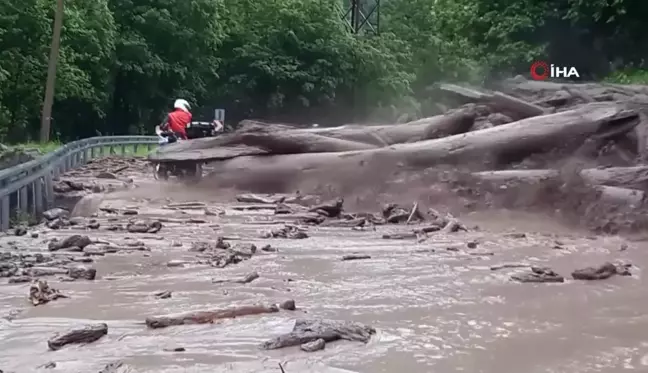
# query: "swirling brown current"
(436, 310)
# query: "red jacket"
(178, 120)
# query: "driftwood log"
(206, 317)
(310, 330)
(569, 128)
(87, 334)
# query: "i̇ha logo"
(541, 70)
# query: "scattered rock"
(288, 305)
(287, 231)
(56, 213)
(144, 227)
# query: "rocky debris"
(21, 267)
(207, 317)
(116, 367)
(329, 209)
(85, 335)
(141, 226)
(287, 231)
(202, 246)
(82, 273)
(288, 305)
(56, 213)
(40, 293)
(602, 272)
(186, 206)
(538, 274)
(245, 280)
(311, 330)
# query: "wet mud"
(441, 299)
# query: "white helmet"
(182, 105)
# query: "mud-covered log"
(206, 317)
(630, 198)
(521, 108)
(422, 129)
(293, 142)
(87, 334)
(309, 330)
(541, 133)
(270, 140)
(631, 177)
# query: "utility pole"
(46, 118)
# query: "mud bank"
(439, 299)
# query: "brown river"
(435, 310)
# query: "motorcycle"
(184, 170)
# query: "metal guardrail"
(29, 188)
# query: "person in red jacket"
(178, 119)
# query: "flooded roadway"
(436, 310)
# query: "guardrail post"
(123, 149)
(49, 190)
(135, 149)
(112, 150)
(149, 147)
(22, 199)
(4, 222)
(38, 196)
(68, 163)
(93, 152)
(101, 150)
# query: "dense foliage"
(122, 62)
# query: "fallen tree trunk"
(278, 140)
(524, 137)
(422, 129)
(632, 177)
(206, 317)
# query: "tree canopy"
(123, 62)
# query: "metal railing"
(29, 187)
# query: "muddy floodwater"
(437, 305)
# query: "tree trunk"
(256, 139)
(206, 317)
(46, 118)
(526, 136)
(629, 177)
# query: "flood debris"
(602, 272)
(245, 280)
(164, 294)
(41, 293)
(86, 334)
(311, 330)
(356, 257)
(80, 272)
(313, 346)
(207, 317)
(116, 367)
(288, 305)
(76, 241)
(538, 274)
(287, 231)
(142, 226)
(509, 265)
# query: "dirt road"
(440, 305)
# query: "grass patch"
(628, 76)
